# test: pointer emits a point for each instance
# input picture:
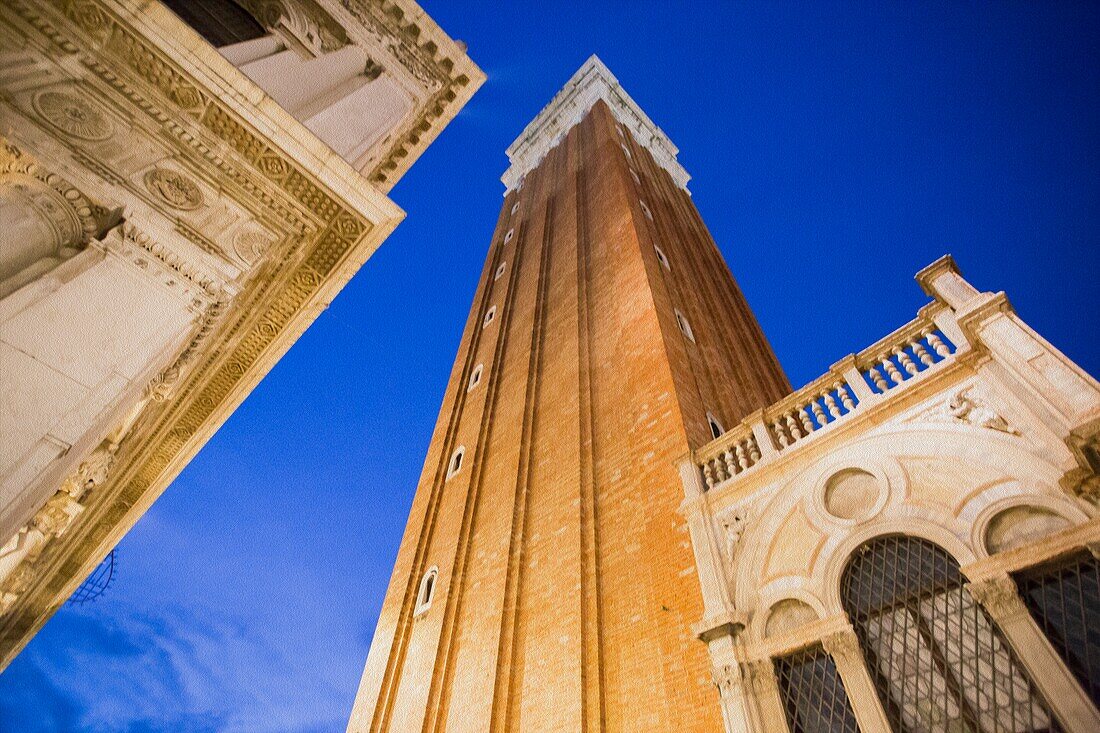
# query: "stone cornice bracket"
(592, 82)
(730, 623)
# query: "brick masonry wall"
(566, 586)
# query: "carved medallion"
(73, 115)
(174, 189)
(250, 246)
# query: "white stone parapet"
(592, 82)
(878, 372)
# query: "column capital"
(762, 674)
(843, 646)
(998, 596)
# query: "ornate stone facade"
(956, 430)
(169, 225)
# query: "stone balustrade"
(878, 372)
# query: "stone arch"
(832, 566)
(915, 618)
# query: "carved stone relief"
(174, 189)
(73, 115)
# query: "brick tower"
(546, 581)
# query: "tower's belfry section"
(545, 581)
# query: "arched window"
(813, 695)
(682, 322)
(427, 591)
(475, 377)
(662, 258)
(937, 660)
(716, 429)
(1064, 599)
(456, 461)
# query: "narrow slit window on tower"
(475, 377)
(619, 129)
(662, 258)
(427, 591)
(716, 429)
(489, 316)
(456, 461)
(627, 151)
(634, 175)
(515, 207)
(509, 235)
(684, 326)
(645, 210)
(500, 270)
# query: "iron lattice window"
(1064, 600)
(813, 695)
(938, 662)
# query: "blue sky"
(835, 148)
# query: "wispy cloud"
(199, 671)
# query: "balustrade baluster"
(891, 370)
(831, 404)
(754, 451)
(780, 435)
(877, 378)
(819, 413)
(742, 460)
(793, 426)
(937, 344)
(845, 396)
(906, 363)
(732, 469)
(804, 418)
(708, 474)
(921, 352)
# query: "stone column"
(1063, 695)
(38, 230)
(768, 713)
(843, 647)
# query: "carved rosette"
(998, 596)
(73, 115)
(174, 189)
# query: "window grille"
(1064, 599)
(937, 661)
(813, 695)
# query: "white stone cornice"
(592, 82)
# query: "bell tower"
(545, 581)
